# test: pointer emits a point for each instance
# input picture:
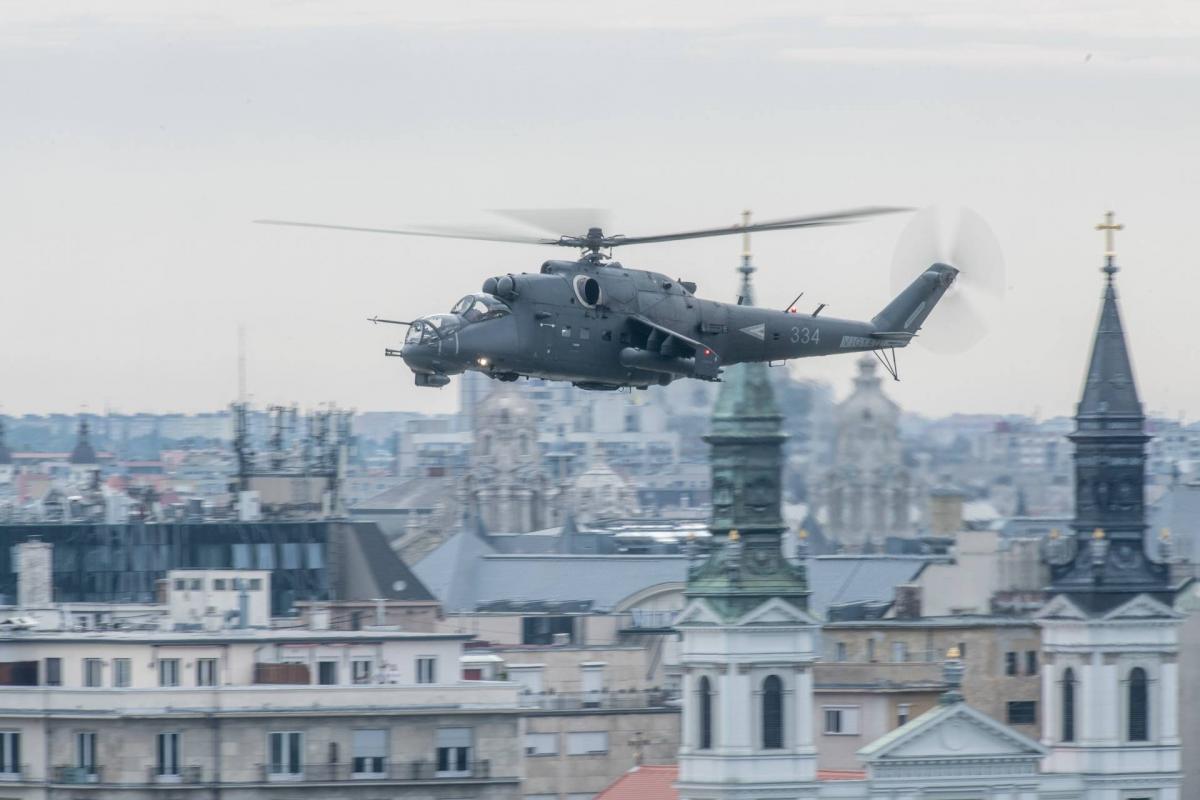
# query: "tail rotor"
(960, 238)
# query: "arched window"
(772, 713)
(1139, 727)
(705, 713)
(1068, 705)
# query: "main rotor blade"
(810, 221)
(438, 232)
(559, 221)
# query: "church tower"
(1110, 639)
(748, 642)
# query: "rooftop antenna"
(241, 363)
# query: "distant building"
(866, 494)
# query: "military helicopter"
(602, 325)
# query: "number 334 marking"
(806, 335)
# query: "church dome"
(867, 403)
(601, 493)
(505, 407)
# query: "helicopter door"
(547, 335)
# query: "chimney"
(318, 619)
(907, 604)
(34, 560)
(945, 511)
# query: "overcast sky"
(137, 143)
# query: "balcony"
(400, 772)
(18, 775)
(183, 775)
(646, 621)
(78, 775)
(583, 701)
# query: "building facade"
(251, 714)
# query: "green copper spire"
(744, 565)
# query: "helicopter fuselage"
(601, 325)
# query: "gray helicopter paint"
(650, 320)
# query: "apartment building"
(245, 713)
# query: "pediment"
(1142, 607)
(1060, 607)
(776, 611)
(952, 732)
(697, 612)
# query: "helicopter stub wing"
(706, 359)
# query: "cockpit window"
(431, 328)
(476, 307)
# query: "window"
(85, 752)
(10, 752)
(705, 697)
(360, 670)
(772, 713)
(453, 751)
(167, 762)
(370, 752)
(841, 720)
(871, 650)
(1031, 662)
(1010, 663)
(1068, 705)
(92, 676)
(206, 672)
(197, 584)
(218, 584)
(541, 744)
(122, 672)
(1139, 723)
(592, 682)
(903, 712)
(256, 584)
(168, 672)
(285, 749)
(585, 743)
(528, 676)
(541, 630)
(426, 669)
(840, 653)
(899, 652)
(327, 673)
(54, 672)
(1022, 712)
(180, 584)
(962, 650)
(566, 331)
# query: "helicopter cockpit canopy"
(480, 306)
(431, 328)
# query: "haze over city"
(141, 143)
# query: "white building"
(287, 713)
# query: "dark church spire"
(1107, 561)
(744, 565)
(83, 453)
(1109, 390)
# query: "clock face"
(1126, 556)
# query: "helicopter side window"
(475, 307)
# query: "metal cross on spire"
(1110, 253)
